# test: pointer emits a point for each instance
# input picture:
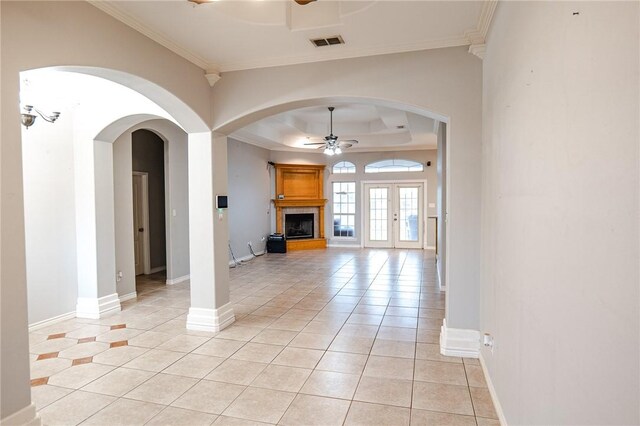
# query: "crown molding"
(129, 20)
(478, 50)
(212, 78)
(486, 17)
(477, 37)
(471, 38)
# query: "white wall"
(360, 159)
(443, 83)
(560, 211)
(50, 218)
(249, 197)
(176, 198)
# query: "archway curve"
(186, 117)
(115, 129)
(267, 111)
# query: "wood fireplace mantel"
(300, 185)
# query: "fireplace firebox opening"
(298, 226)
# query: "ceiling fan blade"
(350, 141)
(199, 1)
(303, 2)
(315, 143)
(345, 145)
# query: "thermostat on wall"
(222, 202)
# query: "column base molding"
(28, 416)
(213, 320)
(459, 341)
(96, 308)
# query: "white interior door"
(394, 215)
(138, 223)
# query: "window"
(394, 166)
(344, 167)
(344, 209)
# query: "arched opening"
(71, 164)
(397, 127)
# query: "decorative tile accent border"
(39, 381)
(56, 336)
(81, 361)
(118, 344)
(87, 340)
(47, 356)
(118, 326)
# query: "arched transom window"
(394, 166)
(344, 167)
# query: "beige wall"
(82, 36)
(443, 83)
(560, 212)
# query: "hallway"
(337, 336)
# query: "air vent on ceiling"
(327, 41)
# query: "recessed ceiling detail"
(376, 128)
(222, 35)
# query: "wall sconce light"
(28, 118)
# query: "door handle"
(140, 229)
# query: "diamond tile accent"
(47, 356)
(87, 340)
(118, 326)
(39, 381)
(119, 343)
(81, 361)
(56, 336)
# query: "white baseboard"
(128, 296)
(28, 416)
(179, 280)
(212, 320)
(492, 392)
(343, 245)
(459, 341)
(45, 323)
(95, 308)
(158, 269)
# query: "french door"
(394, 215)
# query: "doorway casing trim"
(145, 221)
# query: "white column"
(95, 227)
(208, 234)
(15, 391)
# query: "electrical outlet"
(487, 341)
(263, 238)
(119, 276)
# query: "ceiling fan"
(331, 144)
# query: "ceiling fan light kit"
(331, 144)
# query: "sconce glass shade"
(27, 119)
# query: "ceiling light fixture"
(27, 118)
(331, 142)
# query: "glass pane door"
(410, 216)
(394, 215)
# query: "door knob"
(140, 229)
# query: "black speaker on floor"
(276, 243)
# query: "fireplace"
(298, 226)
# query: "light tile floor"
(326, 337)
